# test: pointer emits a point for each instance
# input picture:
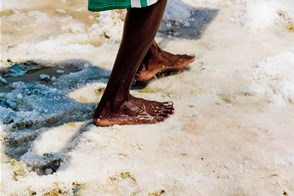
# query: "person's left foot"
(132, 111)
(159, 61)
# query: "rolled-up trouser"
(103, 5)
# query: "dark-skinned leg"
(117, 106)
(159, 61)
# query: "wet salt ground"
(30, 103)
(35, 97)
(229, 135)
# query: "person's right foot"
(133, 111)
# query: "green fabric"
(144, 3)
(103, 5)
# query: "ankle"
(115, 103)
(155, 51)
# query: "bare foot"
(160, 62)
(133, 111)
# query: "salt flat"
(232, 132)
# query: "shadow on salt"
(34, 97)
(198, 23)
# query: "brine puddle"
(34, 97)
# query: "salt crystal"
(60, 71)
(44, 77)
(3, 81)
(11, 103)
(48, 171)
(60, 10)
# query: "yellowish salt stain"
(71, 125)
(19, 169)
(225, 97)
(122, 176)
(290, 27)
